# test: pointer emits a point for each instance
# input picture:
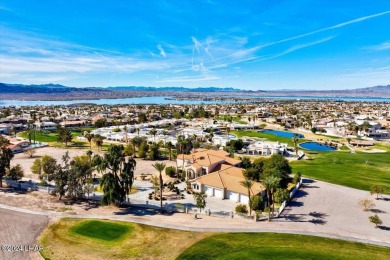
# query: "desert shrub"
(241, 208)
(170, 171)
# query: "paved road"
(320, 209)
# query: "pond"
(316, 146)
(281, 133)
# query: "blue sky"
(302, 44)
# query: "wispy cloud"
(381, 47)
(188, 79)
(245, 52)
(162, 51)
(297, 47)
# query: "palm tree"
(295, 141)
(248, 184)
(134, 142)
(228, 131)
(153, 132)
(125, 133)
(181, 143)
(270, 183)
(98, 140)
(89, 137)
(169, 146)
(200, 200)
(155, 183)
(160, 167)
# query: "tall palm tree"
(270, 183)
(181, 143)
(228, 132)
(160, 167)
(248, 185)
(134, 142)
(295, 141)
(153, 132)
(89, 137)
(98, 140)
(125, 133)
(169, 146)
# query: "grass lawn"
(70, 239)
(280, 246)
(45, 137)
(41, 137)
(235, 119)
(102, 230)
(359, 170)
(269, 137)
(102, 239)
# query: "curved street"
(319, 209)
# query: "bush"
(375, 220)
(256, 202)
(297, 177)
(170, 171)
(241, 208)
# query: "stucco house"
(226, 184)
(202, 161)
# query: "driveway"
(212, 203)
(335, 209)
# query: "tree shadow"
(384, 228)
(319, 215)
(317, 221)
(295, 218)
(139, 211)
(377, 211)
(16, 191)
(300, 194)
(295, 204)
(385, 199)
(311, 187)
(306, 181)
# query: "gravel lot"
(18, 228)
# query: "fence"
(155, 204)
(223, 214)
(28, 185)
(292, 193)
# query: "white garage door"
(232, 196)
(218, 193)
(208, 191)
(244, 199)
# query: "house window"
(196, 186)
(203, 171)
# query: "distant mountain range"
(177, 89)
(59, 92)
(21, 88)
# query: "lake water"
(137, 100)
(314, 146)
(161, 100)
(281, 133)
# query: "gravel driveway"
(17, 228)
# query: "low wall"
(292, 193)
